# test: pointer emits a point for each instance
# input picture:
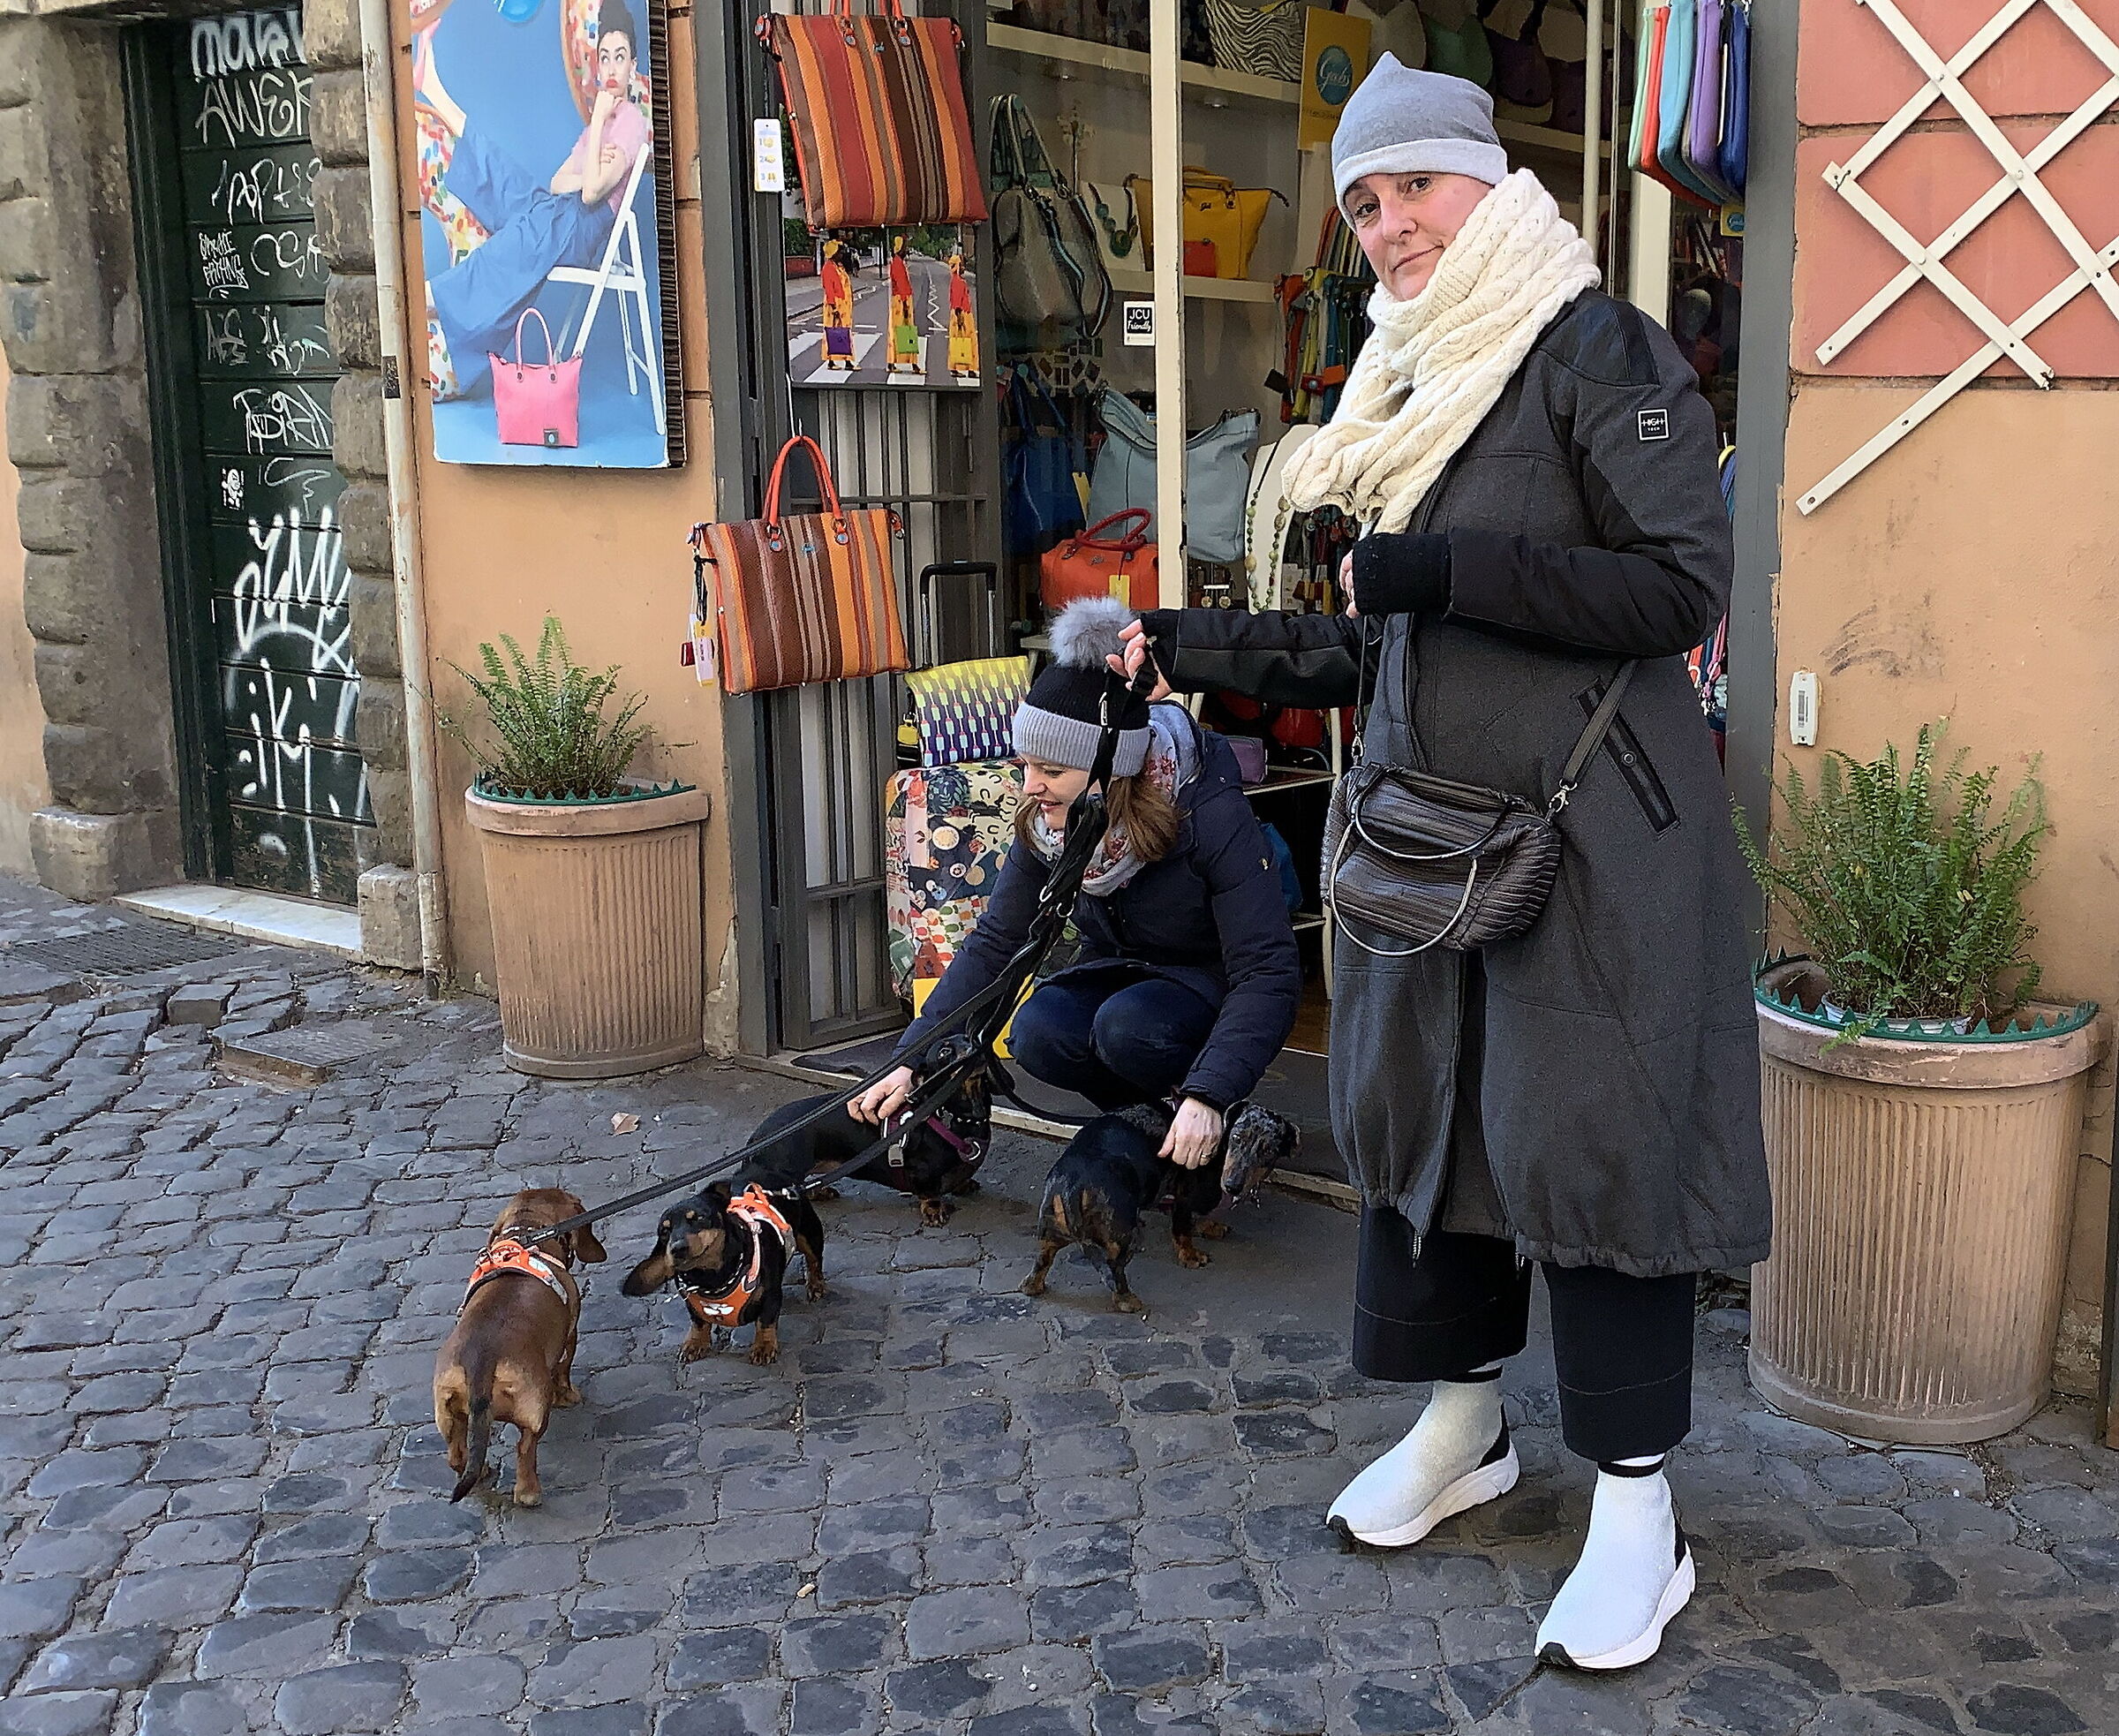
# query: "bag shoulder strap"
(1593, 734)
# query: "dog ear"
(586, 1247)
(718, 1192)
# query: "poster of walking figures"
(877, 307)
(544, 196)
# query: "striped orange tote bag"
(813, 597)
(882, 136)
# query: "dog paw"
(1192, 1257)
(934, 1213)
(696, 1347)
(1127, 1302)
(814, 1289)
(1211, 1228)
(763, 1355)
(1033, 1286)
(529, 1497)
(824, 1193)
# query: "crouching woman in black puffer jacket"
(1187, 979)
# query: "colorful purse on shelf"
(1522, 75)
(807, 597)
(537, 403)
(876, 102)
(1112, 558)
(1261, 37)
(1456, 41)
(967, 711)
(1217, 210)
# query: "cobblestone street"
(948, 1508)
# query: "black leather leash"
(982, 1018)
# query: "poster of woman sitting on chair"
(541, 206)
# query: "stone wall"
(76, 431)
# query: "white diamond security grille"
(2020, 176)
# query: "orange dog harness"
(724, 1307)
(507, 1255)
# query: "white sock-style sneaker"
(1457, 1456)
(1634, 1574)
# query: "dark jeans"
(1114, 1039)
(1622, 1347)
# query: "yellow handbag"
(1217, 210)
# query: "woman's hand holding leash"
(884, 1098)
(1194, 1136)
(1135, 657)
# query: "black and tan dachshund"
(728, 1255)
(930, 1159)
(1110, 1173)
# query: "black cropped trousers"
(1622, 1347)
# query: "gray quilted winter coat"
(1615, 1066)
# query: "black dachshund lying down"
(1110, 1173)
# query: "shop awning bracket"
(2019, 175)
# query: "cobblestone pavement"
(947, 1508)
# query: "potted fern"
(1922, 1109)
(594, 879)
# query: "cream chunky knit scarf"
(1433, 366)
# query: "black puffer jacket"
(1208, 915)
(1618, 1092)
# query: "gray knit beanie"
(1403, 121)
(1059, 720)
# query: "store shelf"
(1546, 139)
(1199, 289)
(1068, 52)
(1287, 777)
(1303, 921)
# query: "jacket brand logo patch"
(1654, 424)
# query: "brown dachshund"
(511, 1356)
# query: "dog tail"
(480, 1395)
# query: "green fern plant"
(1907, 885)
(550, 739)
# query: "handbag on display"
(876, 104)
(1404, 33)
(1732, 162)
(1457, 40)
(1050, 286)
(1703, 117)
(1522, 75)
(1216, 474)
(1113, 557)
(1262, 37)
(1047, 470)
(1268, 516)
(1217, 210)
(537, 403)
(1424, 861)
(1084, 20)
(1680, 43)
(806, 597)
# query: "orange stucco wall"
(1967, 574)
(605, 551)
(22, 786)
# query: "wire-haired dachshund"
(1110, 1173)
(728, 1255)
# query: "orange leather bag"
(1112, 558)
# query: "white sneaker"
(1420, 1483)
(1635, 1574)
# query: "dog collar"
(971, 1151)
(509, 1254)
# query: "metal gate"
(824, 753)
(240, 368)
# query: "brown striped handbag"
(882, 136)
(812, 597)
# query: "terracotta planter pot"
(1922, 1197)
(595, 932)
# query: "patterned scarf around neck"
(1172, 763)
(1434, 365)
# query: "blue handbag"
(1041, 502)
(1735, 99)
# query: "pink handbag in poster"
(537, 403)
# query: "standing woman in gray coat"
(1536, 475)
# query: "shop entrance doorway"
(240, 368)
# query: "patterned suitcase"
(946, 830)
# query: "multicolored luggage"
(947, 831)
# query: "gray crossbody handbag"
(1429, 862)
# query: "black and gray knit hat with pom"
(1059, 720)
